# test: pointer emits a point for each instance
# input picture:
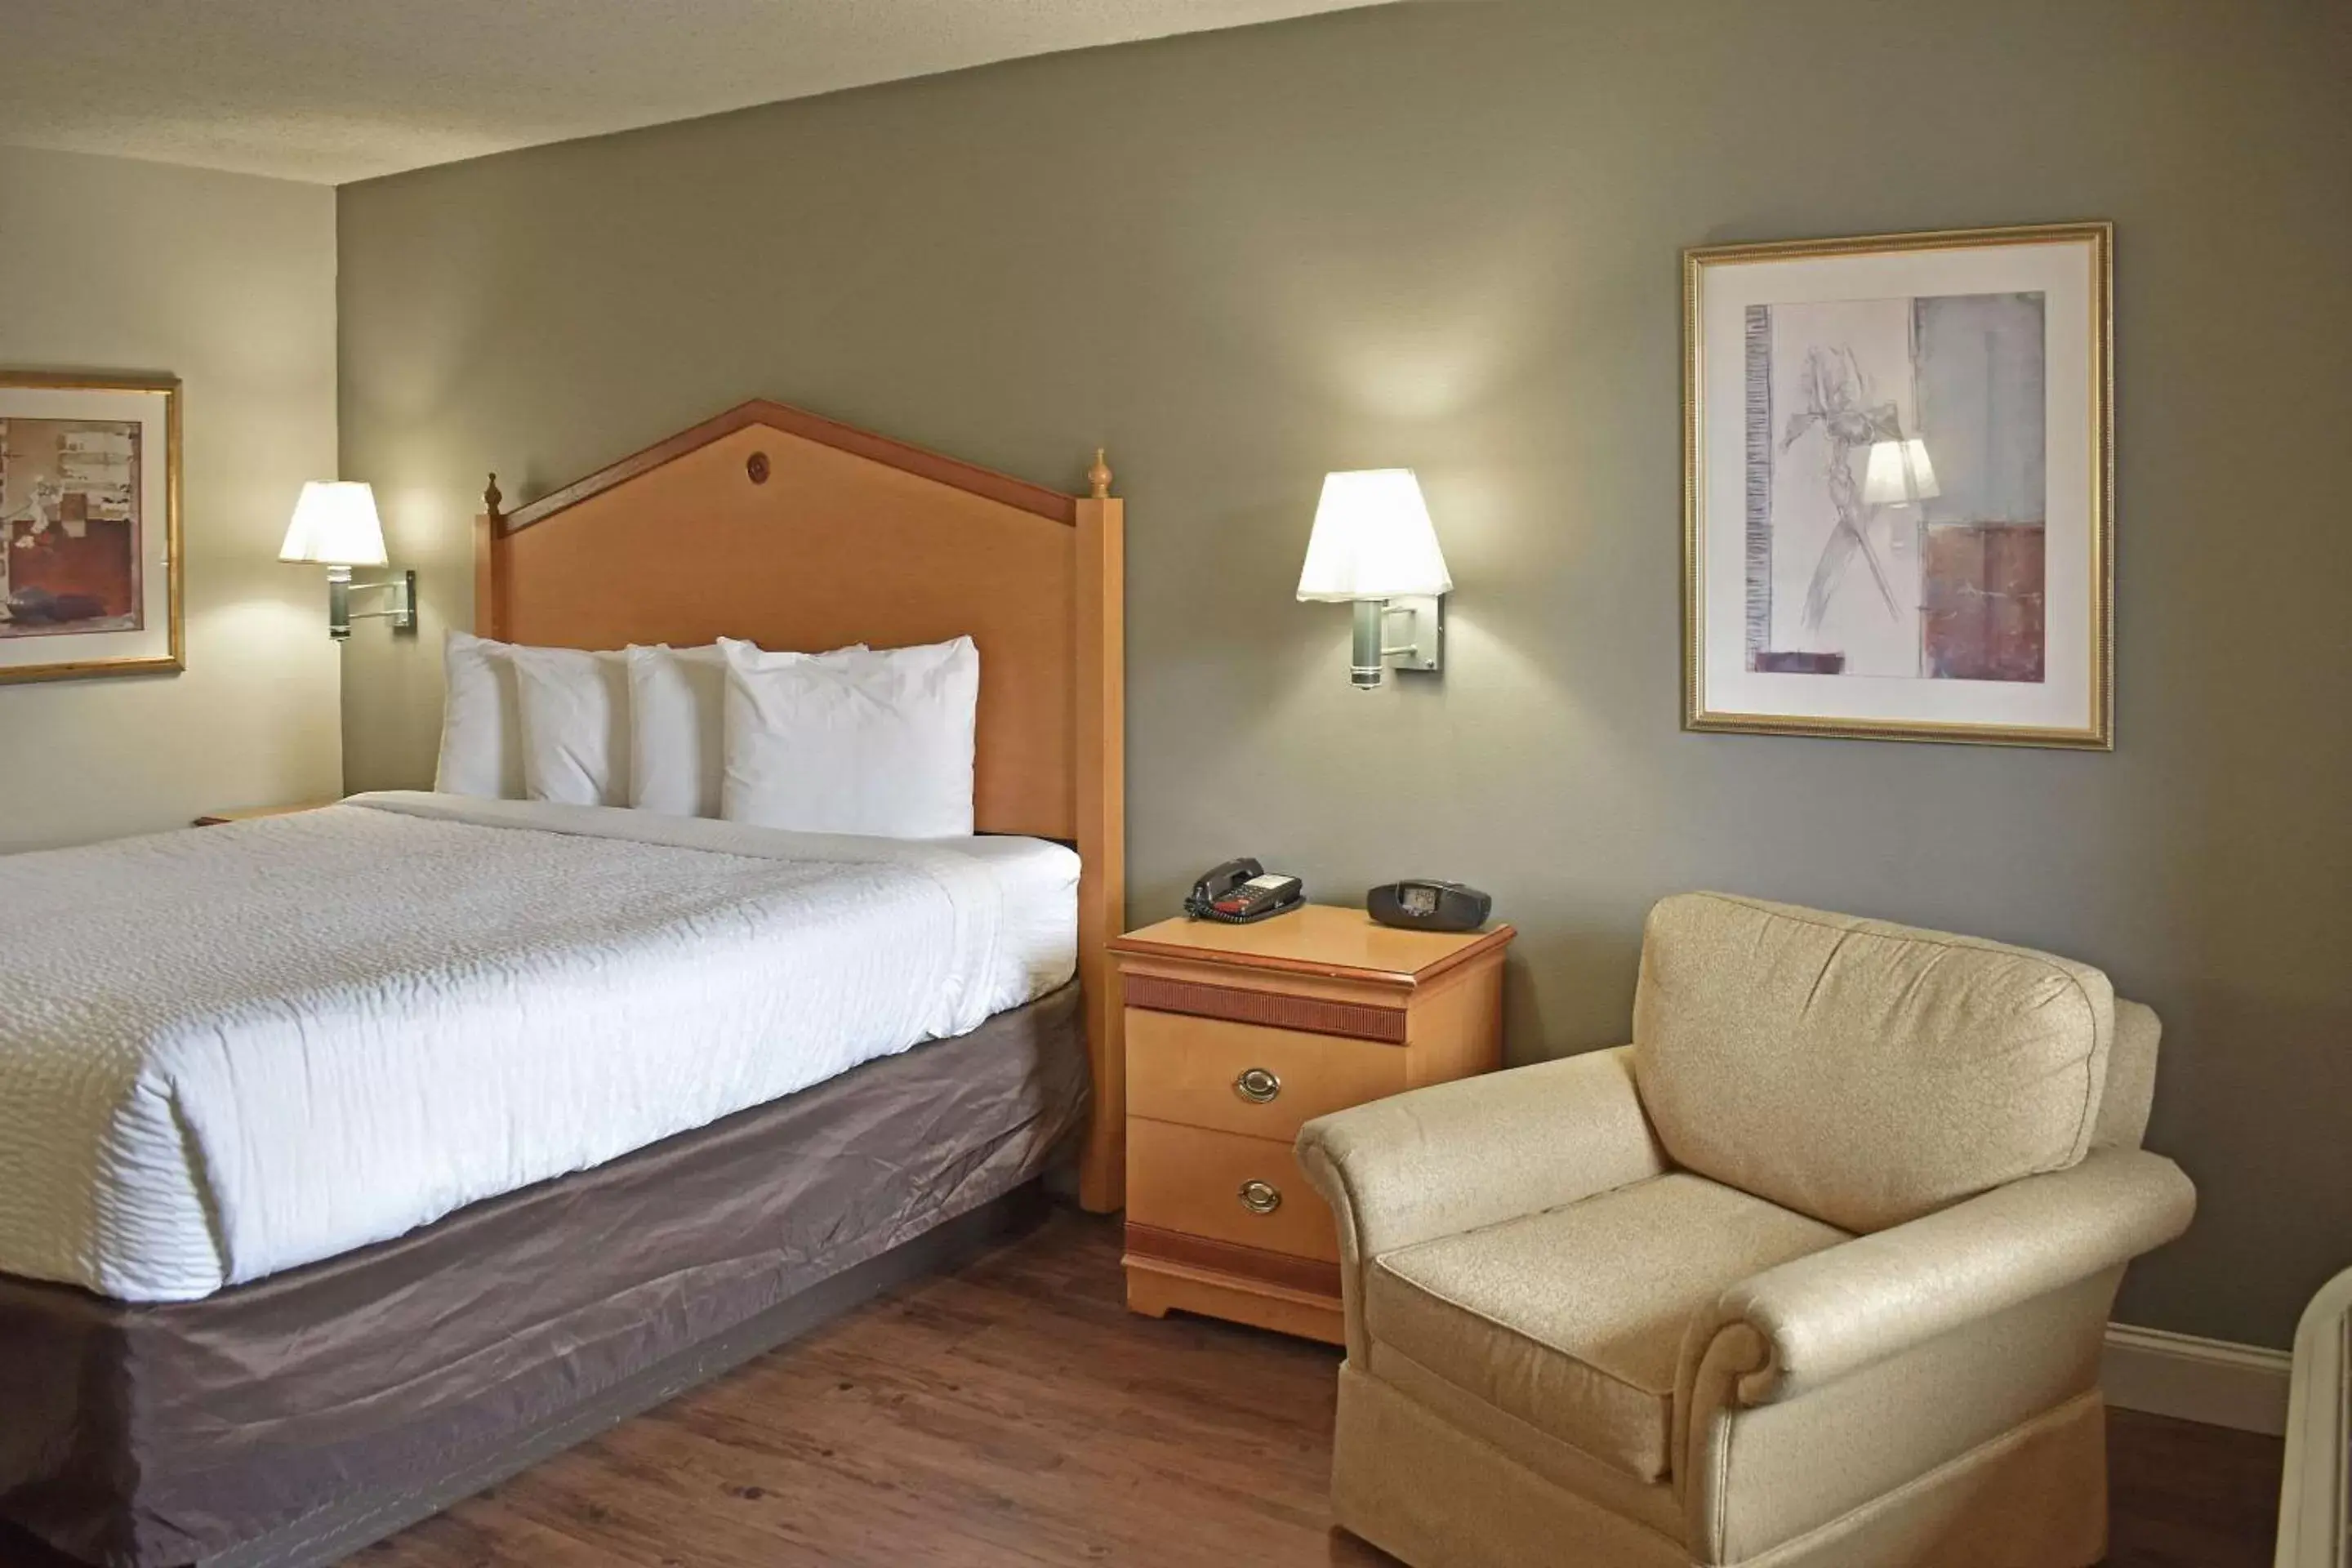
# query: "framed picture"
(90, 526)
(1898, 487)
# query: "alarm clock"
(1416, 905)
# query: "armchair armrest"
(1821, 1317)
(1474, 1151)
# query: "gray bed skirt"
(294, 1419)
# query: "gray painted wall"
(227, 281)
(1447, 236)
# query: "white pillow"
(574, 708)
(678, 726)
(676, 738)
(876, 742)
(481, 743)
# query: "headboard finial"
(1100, 476)
(491, 498)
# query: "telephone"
(1241, 891)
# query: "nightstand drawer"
(1233, 1038)
(1246, 1078)
(1246, 1191)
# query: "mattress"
(229, 1052)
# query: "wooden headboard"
(795, 531)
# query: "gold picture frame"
(2023, 653)
(91, 553)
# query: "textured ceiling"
(333, 90)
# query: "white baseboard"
(2213, 1381)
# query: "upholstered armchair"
(1816, 1271)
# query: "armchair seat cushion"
(1571, 1320)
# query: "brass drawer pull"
(1257, 1086)
(1261, 1197)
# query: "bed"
(410, 1139)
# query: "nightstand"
(222, 818)
(1236, 1036)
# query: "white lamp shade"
(1899, 474)
(1372, 540)
(335, 525)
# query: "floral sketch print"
(1896, 443)
(1837, 399)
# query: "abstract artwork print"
(90, 525)
(69, 527)
(1896, 488)
(1897, 508)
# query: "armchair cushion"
(1474, 1152)
(1862, 1073)
(1571, 1320)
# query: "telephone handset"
(1241, 891)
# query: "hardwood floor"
(2181, 1495)
(1016, 1413)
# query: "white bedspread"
(229, 1051)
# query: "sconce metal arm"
(401, 612)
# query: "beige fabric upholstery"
(1797, 1466)
(1860, 1072)
(2034, 1497)
(1472, 1153)
(1540, 1280)
(1436, 1497)
(2131, 1078)
(1647, 1503)
(1515, 1315)
(1820, 1318)
(1417, 1486)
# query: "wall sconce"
(335, 526)
(1374, 546)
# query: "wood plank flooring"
(1016, 1413)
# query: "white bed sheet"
(230, 1051)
